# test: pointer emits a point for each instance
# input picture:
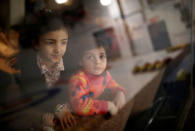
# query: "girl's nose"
(56, 49)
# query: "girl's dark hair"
(38, 25)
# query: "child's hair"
(83, 47)
(38, 25)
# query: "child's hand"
(65, 116)
(48, 119)
(119, 100)
(112, 108)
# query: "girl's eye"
(50, 42)
(64, 42)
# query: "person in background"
(8, 53)
(89, 83)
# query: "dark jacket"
(38, 98)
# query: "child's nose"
(97, 60)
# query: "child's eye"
(90, 57)
(102, 56)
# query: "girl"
(42, 67)
(89, 83)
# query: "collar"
(43, 67)
(91, 76)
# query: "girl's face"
(52, 45)
(94, 61)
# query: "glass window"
(96, 64)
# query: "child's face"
(94, 61)
(52, 45)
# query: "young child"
(89, 83)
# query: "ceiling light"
(61, 1)
(105, 2)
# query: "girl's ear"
(35, 45)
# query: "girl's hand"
(112, 108)
(119, 100)
(65, 116)
(48, 119)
